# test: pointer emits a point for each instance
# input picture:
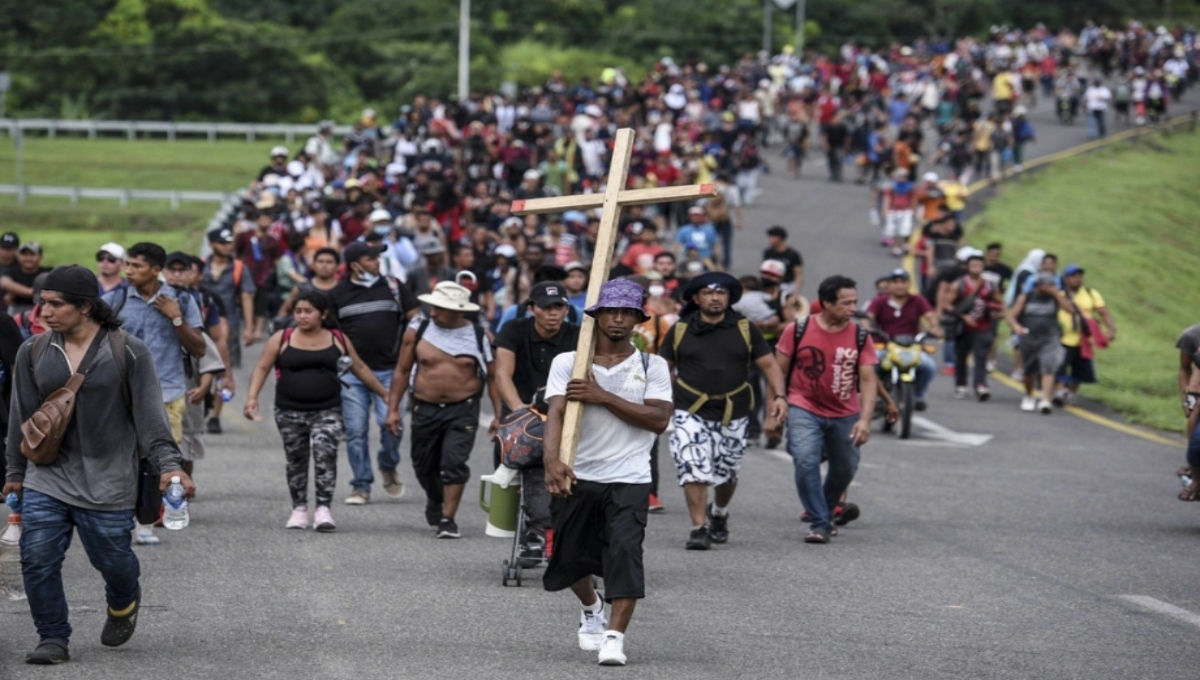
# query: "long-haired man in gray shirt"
(92, 485)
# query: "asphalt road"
(1006, 559)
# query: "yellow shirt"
(1087, 301)
(955, 194)
(1002, 86)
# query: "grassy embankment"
(1129, 216)
(71, 234)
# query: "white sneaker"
(961, 392)
(991, 366)
(1018, 374)
(143, 534)
(299, 519)
(612, 650)
(358, 498)
(1029, 404)
(323, 519)
(591, 630)
(1045, 406)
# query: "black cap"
(73, 280)
(10, 240)
(176, 257)
(548, 293)
(222, 235)
(358, 250)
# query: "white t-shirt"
(609, 449)
(1097, 98)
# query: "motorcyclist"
(902, 313)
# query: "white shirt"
(611, 451)
(1097, 98)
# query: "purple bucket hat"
(619, 294)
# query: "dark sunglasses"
(105, 257)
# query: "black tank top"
(308, 379)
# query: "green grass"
(72, 234)
(1129, 217)
(226, 165)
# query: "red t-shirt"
(980, 311)
(825, 381)
(640, 256)
(903, 321)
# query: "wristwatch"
(177, 321)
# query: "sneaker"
(982, 393)
(991, 366)
(612, 650)
(1029, 404)
(718, 526)
(591, 630)
(1018, 374)
(1060, 398)
(774, 441)
(921, 405)
(845, 514)
(392, 485)
(49, 652)
(143, 534)
(655, 504)
(1045, 407)
(699, 539)
(213, 426)
(447, 528)
(961, 392)
(358, 498)
(947, 370)
(323, 520)
(433, 514)
(119, 627)
(533, 553)
(299, 519)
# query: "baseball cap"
(930, 177)
(505, 250)
(1072, 269)
(899, 273)
(177, 257)
(379, 215)
(279, 151)
(266, 201)
(113, 249)
(696, 210)
(774, 268)
(573, 266)
(222, 235)
(31, 247)
(967, 252)
(359, 249)
(10, 240)
(548, 293)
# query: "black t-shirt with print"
(713, 358)
(373, 319)
(790, 257)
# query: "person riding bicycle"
(902, 313)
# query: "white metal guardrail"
(123, 196)
(147, 128)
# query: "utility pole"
(800, 29)
(767, 27)
(19, 142)
(464, 50)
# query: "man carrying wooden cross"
(600, 508)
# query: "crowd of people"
(386, 273)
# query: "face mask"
(657, 291)
(365, 278)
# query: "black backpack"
(802, 327)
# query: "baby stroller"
(520, 439)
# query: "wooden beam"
(627, 198)
(606, 240)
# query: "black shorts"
(442, 439)
(262, 302)
(599, 530)
(1076, 369)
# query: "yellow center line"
(1096, 418)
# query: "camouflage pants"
(312, 434)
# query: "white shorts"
(704, 451)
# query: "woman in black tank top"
(308, 360)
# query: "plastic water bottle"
(175, 512)
(226, 393)
(11, 583)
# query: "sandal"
(1185, 471)
(1190, 494)
(817, 536)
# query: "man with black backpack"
(169, 323)
(711, 350)
(372, 311)
(454, 363)
(829, 362)
(92, 485)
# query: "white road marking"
(1160, 607)
(931, 430)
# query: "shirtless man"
(453, 360)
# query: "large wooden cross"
(615, 197)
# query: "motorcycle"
(898, 374)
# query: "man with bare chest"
(448, 360)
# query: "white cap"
(113, 249)
(1020, 111)
(505, 250)
(279, 151)
(593, 111)
(532, 174)
(930, 177)
(967, 252)
(379, 215)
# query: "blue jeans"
(106, 537)
(1193, 450)
(357, 401)
(808, 436)
(925, 373)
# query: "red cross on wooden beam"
(615, 197)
